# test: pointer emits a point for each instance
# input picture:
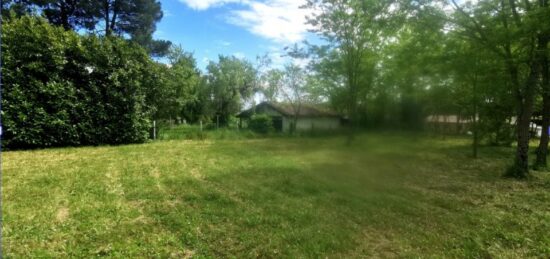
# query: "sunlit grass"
(387, 195)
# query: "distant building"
(456, 124)
(282, 114)
(449, 123)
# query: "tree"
(290, 85)
(70, 14)
(15, 7)
(293, 89)
(504, 28)
(183, 82)
(411, 69)
(274, 79)
(229, 82)
(477, 79)
(538, 14)
(353, 31)
(134, 18)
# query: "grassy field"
(387, 195)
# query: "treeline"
(382, 63)
(393, 62)
(61, 88)
(93, 87)
(83, 73)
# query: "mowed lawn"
(387, 195)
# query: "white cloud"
(224, 43)
(205, 4)
(166, 13)
(282, 21)
(239, 55)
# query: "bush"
(261, 123)
(62, 88)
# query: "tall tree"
(294, 82)
(71, 14)
(133, 18)
(539, 19)
(136, 18)
(273, 82)
(290, 85)
(183, 82)
(502, 27)
(230, 81)
(353, 30)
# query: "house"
(283, 114)
(449, 123)
(457, 124)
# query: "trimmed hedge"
(61, 88)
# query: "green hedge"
(61, 88)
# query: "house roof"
(286, 109)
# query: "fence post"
(154, 130)
(201, 124)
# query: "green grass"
(387, 195)
(193, 132)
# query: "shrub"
(261, 123)
(62, 88)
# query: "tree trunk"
(107, 20)
(525, 111)
(353, 119)
(542, 151)
(474, 122)
(64, 16)
(521, 165)
(114, 16)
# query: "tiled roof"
(306, 110)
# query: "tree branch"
(481, 37)
(513, 6)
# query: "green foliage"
(273, 82)
(178, 94)
(69, 14)
(64, 89)
(117, 92)
(261, 123)
(354, 31)
(230, 82)
(181, 132)
(134, 18)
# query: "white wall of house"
(312, 123)
(304, 123)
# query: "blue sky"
(244, 28)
